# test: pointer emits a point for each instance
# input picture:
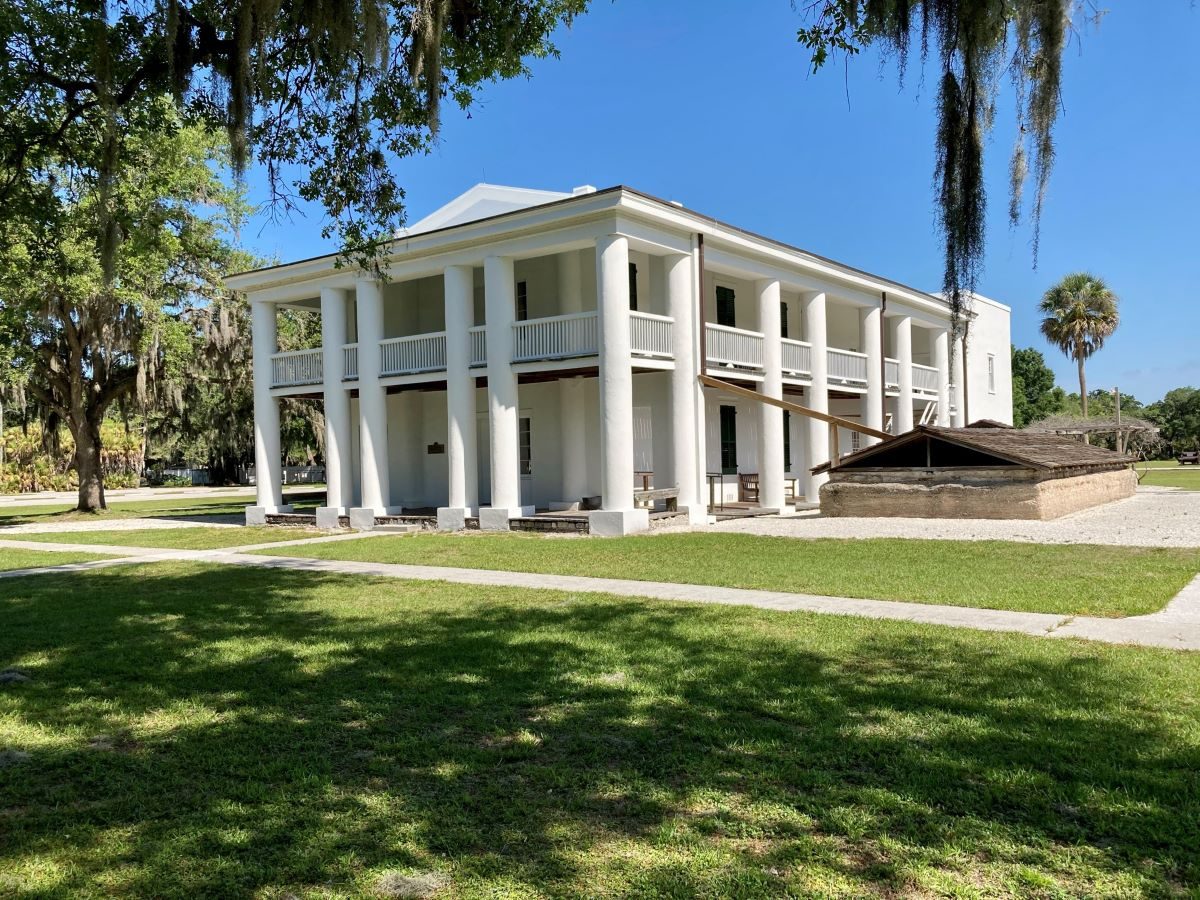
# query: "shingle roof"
(1034, 450)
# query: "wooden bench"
(669, 496)
(1189, 458)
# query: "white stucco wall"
(990, 335)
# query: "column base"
(454, 518)
(329, 517)
(616, 522)
(696, 513)
(495, 518)
(362, 518)
(257, 515)
(565, 505)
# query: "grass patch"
(1186, 477)
(192, 730)
(29, 559)
(1066, 579)
(194, 538)
(135, 509)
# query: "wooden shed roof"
(1006, 446)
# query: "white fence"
(350, 361)
(797, 357)
(478, 345)
(925, 378)
(847, 367)
(415, 353)
(891, 372)
(556, 337)
(296, 367)
(650, 334)
(734, 347)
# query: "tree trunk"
(87, 464)
(1083, 398)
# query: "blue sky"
(705, 103)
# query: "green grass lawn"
(1072, 580)
(29, 559)
(1186, 477)
(190, 506)
(194, 538)
(192, 731)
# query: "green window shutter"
(726, 314)
(633, 298)
(783, 319)
(787, 441)
(729, 440)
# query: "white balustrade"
(925, 378)
(412, 354)
(296, 367)
(478, 335)
(650, 334)
(556, 337)
(350, 362)
(847, 367)
(797, 357)
(734, 347)
(891, 372)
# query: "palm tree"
(1080, 314)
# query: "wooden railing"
(478, 345)
(350, 362)
(296, 367)
(797, 357)
(556, 337)
(650, 335)
(412, 354)
(891, 373)
(734, 347)
(847, 367)
(925, 378)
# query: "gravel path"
(1154, 517)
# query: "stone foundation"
(971, 494)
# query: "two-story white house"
(533, 350)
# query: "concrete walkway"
(1176, 627)
(126, 495)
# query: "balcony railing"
(925, 378)
(413, 354)
(650, 335)
(891, 373)
(556, 337)
(847, 367)
(350, 362)
(797, 357)
(478, 345)
(734, 347)
(296, 367)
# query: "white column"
(700, 401)
(960, 409)
(499, 288)
(338, 462)
(267, 463)
(816, 447)
(617, 514)
(375, 487)
(461, 448)
(872, 344)
(681, 307)
(941, 360)
(571, 394)
(904, 403)
(770, 418)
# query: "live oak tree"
(323, 95)
(90, 333)
(972, 44)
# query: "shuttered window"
(729, 440)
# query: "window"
(522, 301)
(783, 321)
(991, 373)
(787, 441)
(725, 311)
(729, 440)
(526, 444)
(633, 286)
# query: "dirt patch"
(397, 884)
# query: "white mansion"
(540, 350)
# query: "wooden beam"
(718, 384)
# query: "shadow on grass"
(205, 731)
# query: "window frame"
(728, 441)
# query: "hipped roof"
(1033, 450)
